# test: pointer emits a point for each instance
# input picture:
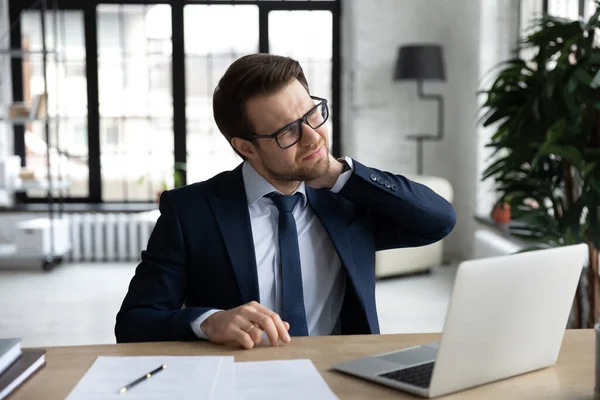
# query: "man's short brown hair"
(247, 77)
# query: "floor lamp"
(423, 62)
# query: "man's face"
(306, 160)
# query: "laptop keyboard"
(417, 376)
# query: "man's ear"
(244, 147)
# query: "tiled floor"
(77, 303)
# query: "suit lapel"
(324, 206)
(334, 218)
(230, 207)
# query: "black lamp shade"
(424, 62)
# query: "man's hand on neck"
(329, 178)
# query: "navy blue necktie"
(292, 295)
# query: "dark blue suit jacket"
(201, 255)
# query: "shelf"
(22, 121)
(20, 53)
(11, 258)
(82, 207)
(41, 185)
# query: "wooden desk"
(571, 378)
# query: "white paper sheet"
(184, 378)
(276, 380)
(224, 384)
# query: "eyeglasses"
(291, 134)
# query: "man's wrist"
(205, 325)
(201, 327)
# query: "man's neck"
(285, 187)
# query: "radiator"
(106, 237)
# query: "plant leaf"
(568, 153)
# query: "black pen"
(143, 378)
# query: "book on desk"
(16, 365)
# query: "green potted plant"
(545, 110)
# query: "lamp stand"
(440, 125)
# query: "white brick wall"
(500, 20)
(5, 81)
(6, 135)
(379, 113)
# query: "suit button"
(380, 181)
(388, 185)
(373, 178)
(394, 187)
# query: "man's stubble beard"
(302, 174)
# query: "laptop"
(507, 316)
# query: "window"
(589, 8)
(136, 104)
(312, 48)
(564, 8)
(233, 30)
(126, 147)
(111, 134)
(67, 99)
(571, 9)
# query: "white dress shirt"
(323, 280)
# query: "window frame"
(89, 9)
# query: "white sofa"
(415, 259)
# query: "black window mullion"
(263, 29)
(17, 83)
(178, 76)
(336, 81)
(272, 4)
(91, 66)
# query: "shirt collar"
(257, 186)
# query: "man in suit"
(284, 245)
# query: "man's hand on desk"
(244, 325)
